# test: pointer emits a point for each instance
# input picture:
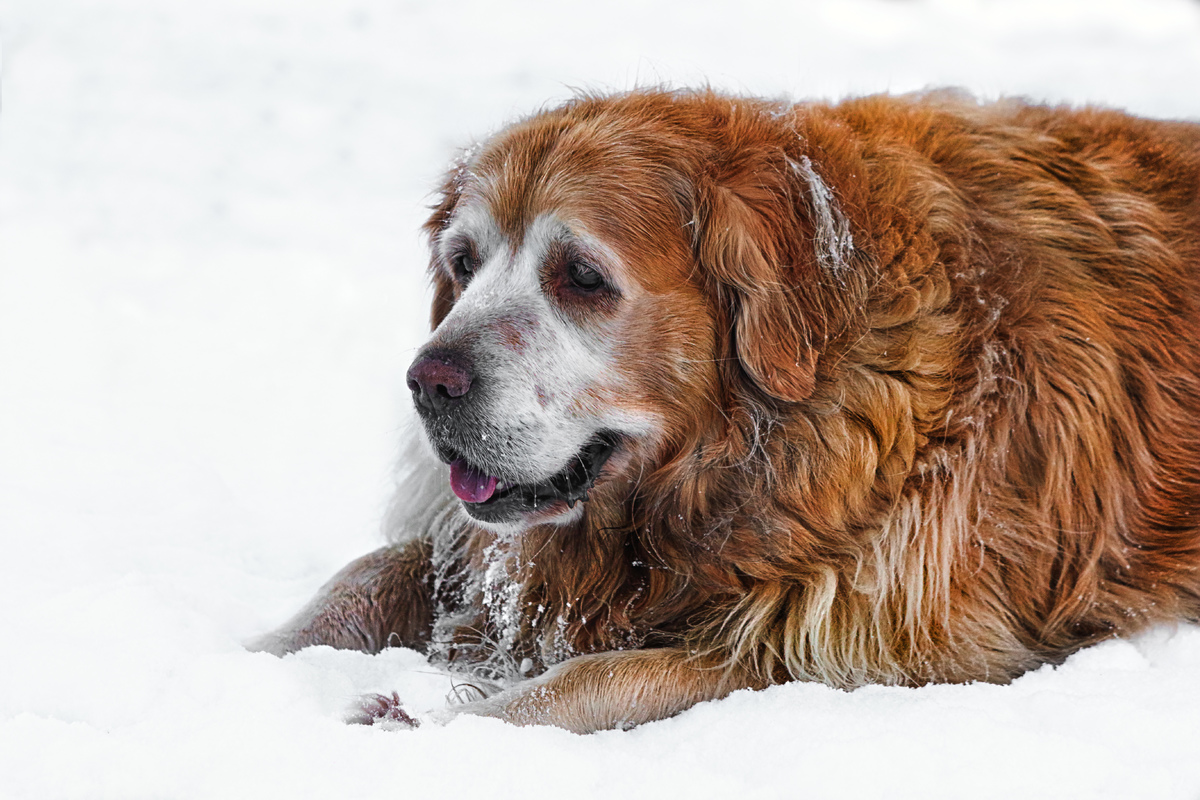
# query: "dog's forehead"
(593, 186)
(575, 171)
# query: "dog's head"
(606, 274)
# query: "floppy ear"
(448, 196)
(777, 251)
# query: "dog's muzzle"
(446, 391)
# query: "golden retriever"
(724, 392)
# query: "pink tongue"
(471, 485)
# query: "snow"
(210, 286)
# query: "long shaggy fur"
(929, 376)
(950, 424)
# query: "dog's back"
(1080, 231)
(1038, 310)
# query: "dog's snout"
(438, 382)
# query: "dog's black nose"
(438, 382)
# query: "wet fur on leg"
(383, 599)
(616, 690)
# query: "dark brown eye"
(583, 277)
(463, 263)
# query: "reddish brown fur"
(969, 447)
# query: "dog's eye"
(584, 277)
(464, 265)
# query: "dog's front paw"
(383, 711)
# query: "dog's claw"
(379, 709)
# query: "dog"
(724, 392)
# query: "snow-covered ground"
(210, 285)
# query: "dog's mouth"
(489, 499)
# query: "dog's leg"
(619, 689)
(384, 598)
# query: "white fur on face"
(547, 381)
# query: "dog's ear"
(779, 254)
(448, 195)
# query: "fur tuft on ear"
(833, 243)
(779, 250)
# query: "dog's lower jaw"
(513, 527)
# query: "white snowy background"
(211, 282)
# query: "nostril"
(454, 387)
